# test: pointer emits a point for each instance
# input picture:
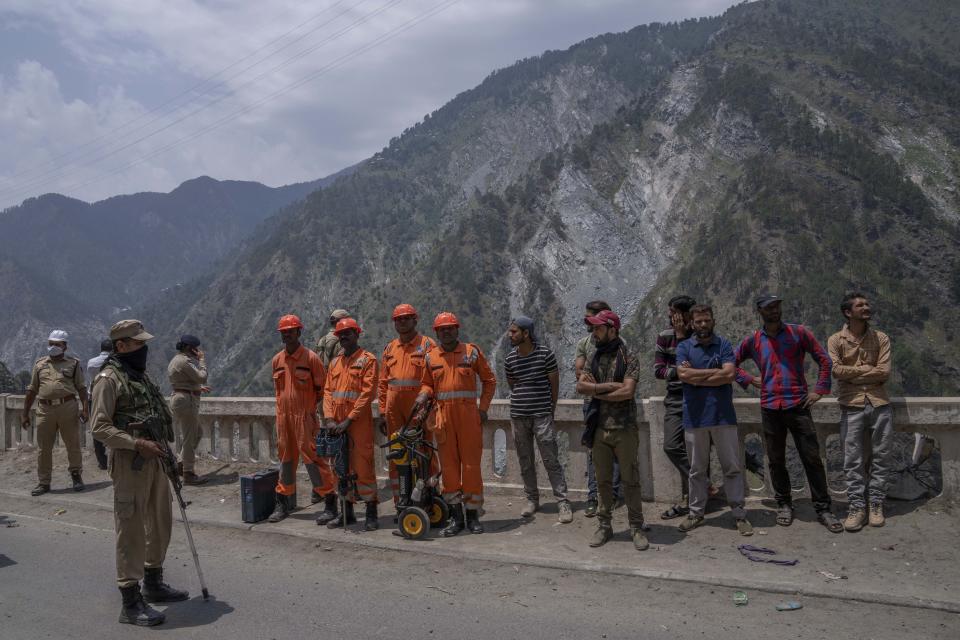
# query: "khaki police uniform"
(187, 375)
(57, 382)
(143, 513)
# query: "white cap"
(58, 335)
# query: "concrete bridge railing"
(243, 430)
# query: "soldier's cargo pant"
(65, 420)
(541, 429)
(618, 444)
(460, 440)
(185, 408)
(143, 515)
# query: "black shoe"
(77, 481)
(591, 510)
(315, 497)
(347, 515)
(156, 590)
(329, 512)
(281, 510)
(192, 479)
(456, 522)
(473, 521)
(136, 611)
(372, 518)
(40, 489)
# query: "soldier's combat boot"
(372, 518)
(136, 611)
(191, 478)
(347, 515)
(281, 510)
(456, 523)
(77, 480)
(156, 590)
(40, 489)
(473, 521)
(329, 512)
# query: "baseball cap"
(766, 299)
(606, 317)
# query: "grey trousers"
(857, 426)
(541, 429)
(726, 439)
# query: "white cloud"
(140, 54)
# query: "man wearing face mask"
(187, 372)
(56, 383)
(123, 398)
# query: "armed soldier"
(56, 383)
(124, 398)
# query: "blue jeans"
(592, 480)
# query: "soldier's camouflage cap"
(129, 329)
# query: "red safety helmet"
(445, 319)
(344, 324)
(289, 322)
(404, 309)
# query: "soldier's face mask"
(56, 349)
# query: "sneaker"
(876, 514)
(601, 536)
(856, 518)
(530, 508)
(744, 527)
(566, 512)
(640, 542)
(591, 509)
(690, 522)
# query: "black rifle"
(152, 428)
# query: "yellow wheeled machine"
(420, 505)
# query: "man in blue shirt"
(706, 368)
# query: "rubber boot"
(136, 611)
(347, 514)
(329, 512)
(473, 521)
(455, 524)
(156, 590)
(372, 518)
(282, 510)
(77, 480)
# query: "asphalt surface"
(57, 580)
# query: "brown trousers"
(185, 408)
(65, 420)
(143, 514)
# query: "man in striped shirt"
(779, 350)
(534, 381)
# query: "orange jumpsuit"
(451, 378)
(401, 370)
(349, 392)
(298, 384)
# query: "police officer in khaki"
(123, 397)
(56, 384)
(328, 347)
(187, 372)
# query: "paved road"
(57, 571)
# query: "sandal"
(827, 519)
(784, 515)
(676, 511)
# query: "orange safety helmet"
(344, 324)
(404, 309)
(445, 319)
(289, 322)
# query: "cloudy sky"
(100, 97)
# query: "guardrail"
(243, 430)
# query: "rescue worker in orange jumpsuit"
(401, 369)
(450, 376)
(348, 407)
(298, 377)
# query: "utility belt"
(55, 401)
(190, 391)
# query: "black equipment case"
(258, 494)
